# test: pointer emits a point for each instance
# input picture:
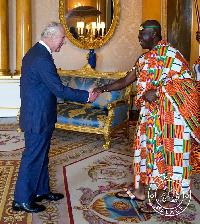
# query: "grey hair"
(51, 28)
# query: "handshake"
(93, 94)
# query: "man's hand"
(97, 90)
(150, 96)
(92, 95)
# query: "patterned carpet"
(87, 175)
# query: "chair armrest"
(117, 103)
(113, 108)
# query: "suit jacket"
(40, 84)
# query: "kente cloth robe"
(167, 129)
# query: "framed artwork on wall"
(176, 23)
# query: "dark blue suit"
(39, 86)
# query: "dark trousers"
(33, 177)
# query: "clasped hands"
(149, 96)
(93, 93)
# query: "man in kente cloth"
(168, 128)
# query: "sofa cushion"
(80, 115)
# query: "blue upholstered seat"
(108, 113)
(69, 113)
(80, 115)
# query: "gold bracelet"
(131, 69)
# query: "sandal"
(128, 194)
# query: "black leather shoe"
(49, 197)
(28, 207)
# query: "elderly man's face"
(59, 40)
(145, 38)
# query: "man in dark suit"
(39, 86)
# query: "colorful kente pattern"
(166, 128)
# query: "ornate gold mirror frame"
(91, 43)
